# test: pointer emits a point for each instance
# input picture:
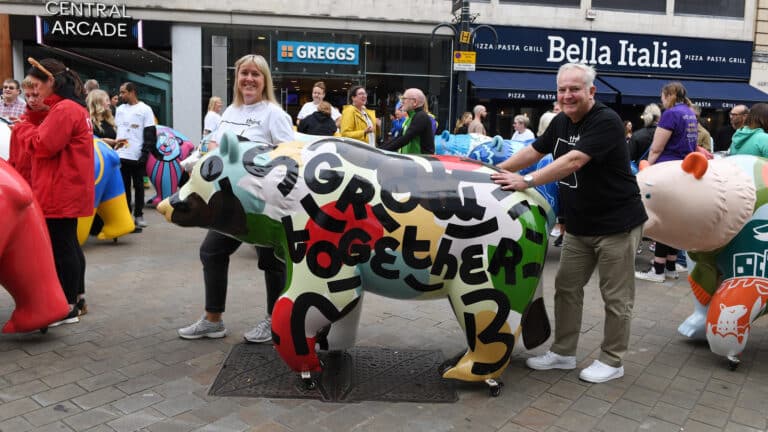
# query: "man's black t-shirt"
(602, 197)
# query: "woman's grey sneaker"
(203, 328)
(550, 360)
(261, 333)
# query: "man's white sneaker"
(650, 276)
(599, 372)
(681, 268)
(671, 274)
(551, 360)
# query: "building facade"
(181, 53)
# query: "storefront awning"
(524, 86)
(707, 94)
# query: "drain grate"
(359, 374)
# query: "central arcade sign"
(88, 24)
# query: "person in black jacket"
(319, 122)
(417, 136)
(641, 140)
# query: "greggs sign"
(317, 52)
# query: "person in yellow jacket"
(357, 121)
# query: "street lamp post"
(464, 35)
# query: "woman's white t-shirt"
(260, 122)
(211, 122)
(309, 108)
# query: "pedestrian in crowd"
(398, 118)
(418, 136)
(736, 118)
(547, 117)
(462, 124)
(20, 155)
(62, 172)
(704, 138)
(136, 135)
(676, 135)
(319, 122)
(522, 133)
(357, 121)
(12, 107)
(752, 139)
(256, 116)
(627, 131)
(90, 85)
(432, 118)
(476, 126)
(213, 116)
(114, 101)
(318, 95)
(642, 139)
(102, 120)
(604, 214)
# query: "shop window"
(571, 3)
(718, 8)
(632, 5)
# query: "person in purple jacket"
(676, 136)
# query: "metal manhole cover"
(359, 374)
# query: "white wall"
(187, 80)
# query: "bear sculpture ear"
(643, 165)
(229, 147)
(695, 163)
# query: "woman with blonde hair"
(212, 117)
(102, 119)
(255, 116)
(462, 124)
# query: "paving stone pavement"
(123, 368)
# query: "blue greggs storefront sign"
(318, 52)
(648, 55)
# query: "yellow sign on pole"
(464, 60)
(464, 37)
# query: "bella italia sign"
(520, 47)
(88, 24)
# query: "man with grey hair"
(89, 85)
(417, 136)
(604, 216)
(476, 126)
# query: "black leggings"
(662, 251)
(215, 252)
(133, 171)
(68, 256)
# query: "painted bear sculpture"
(717, 211)
(348, 218)
(27, 270)
(447, 143)
(164, 162)
(110, 202)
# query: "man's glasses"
(402, 98)
(736, 114)
(9, 87)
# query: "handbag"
(633, 165)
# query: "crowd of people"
(52, 148)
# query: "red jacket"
(20, 155)
(62, 159)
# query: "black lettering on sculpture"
(472, 259)
(492, 333)
(334, 258)
(297, 246)
(354, 247)
(445, 260)
(501, 259)
(388, 222)
(347, 284)
(417, 285)
(472, 231)
(323, 181)
(299, 315)
(321, 218)
(358, 194)
(382, 257)
(412, 246)
(291, 168)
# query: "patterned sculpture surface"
(110, 202)
(716, 210)
(348, 218)
(27, 270)
(164, 162)
(458, 145)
